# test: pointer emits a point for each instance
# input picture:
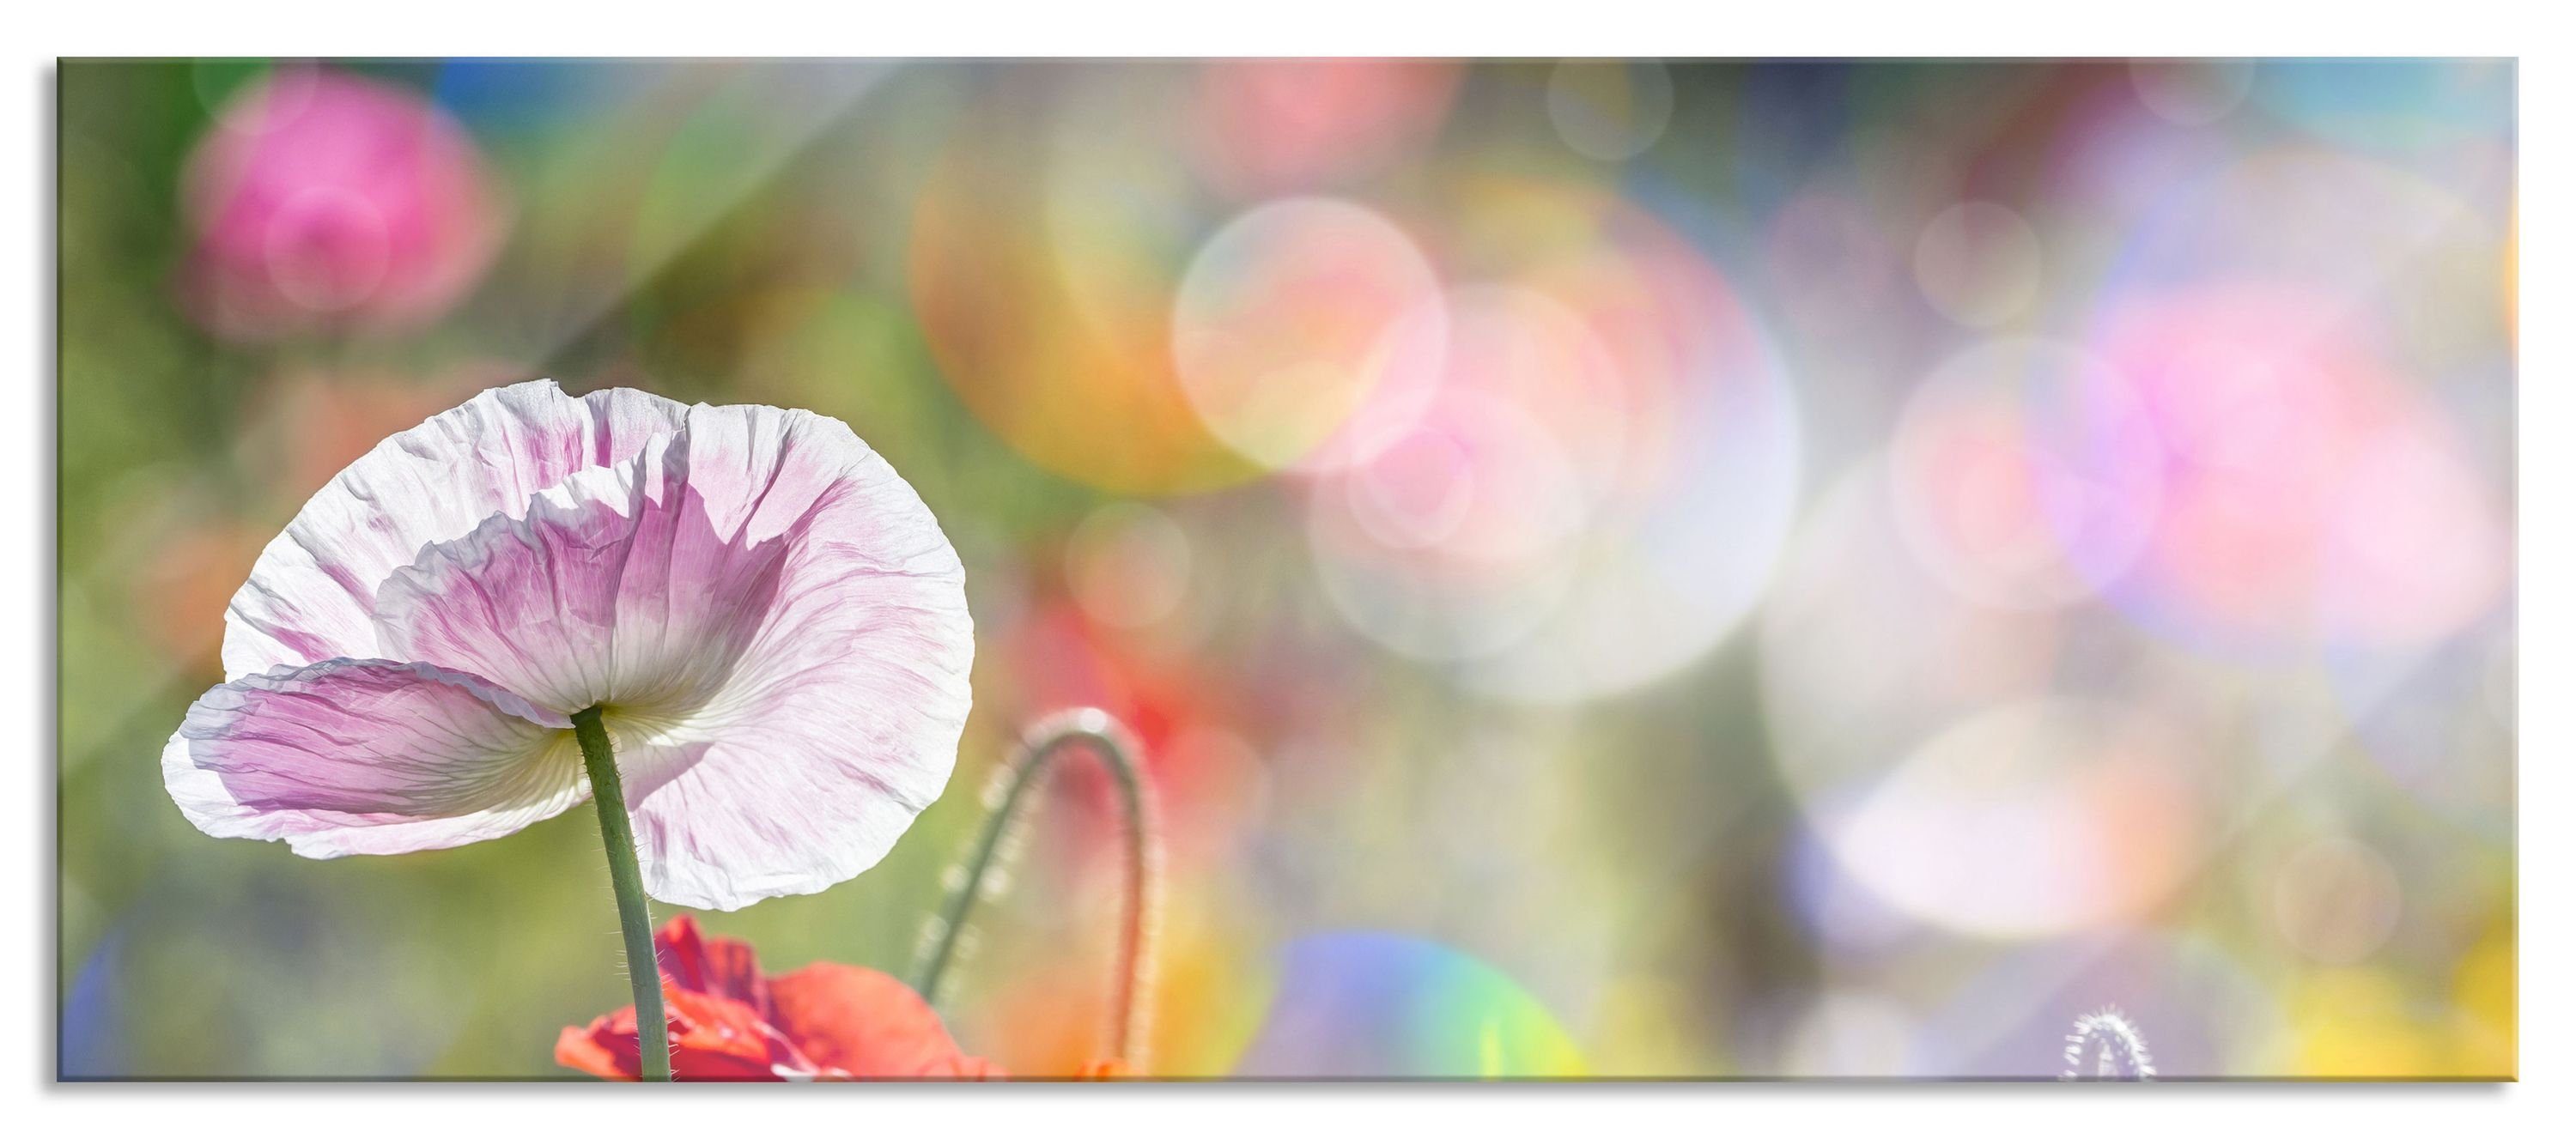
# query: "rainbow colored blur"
(1620, 568)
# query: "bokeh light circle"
(1482, 481)
(1045, 247)
(2191, 92)
(1383, 1005)
(2028, 820)
(1599, 487)
(1306, 333)
(1610, 110)
(2305, 491)
(1127, 565)
(2334, 900)
(1979, 264)
(2021, 465)
(1443, 546)
(1270, 126)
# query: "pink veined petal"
(771, 618)
(840, 721)
(369, 757)
(614, 589)
(310, 594)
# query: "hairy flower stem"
(643, 971)
(1119, 753)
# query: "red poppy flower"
(826, 1021)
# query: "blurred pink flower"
(324, 201)
(769, 618)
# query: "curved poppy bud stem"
(2118, 1050)
(1118, 751)
(617, 833)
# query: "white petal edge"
(840, 722)
(311, 592)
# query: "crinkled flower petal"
(368, 757)
(773, 622)
(312, 593)
(613, 589)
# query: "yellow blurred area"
(2360, 1023)
(1057, 334)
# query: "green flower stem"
(1119, 753)
(643, 971)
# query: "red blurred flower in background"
(826, 1021)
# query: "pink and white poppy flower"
(768, 617)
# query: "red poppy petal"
(580, 1049)
(712, 1038)
(611, 1050)
(723, 966)
(867, 1024)
(715, 1038)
